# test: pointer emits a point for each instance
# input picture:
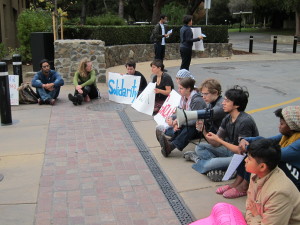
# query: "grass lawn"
(261, 30)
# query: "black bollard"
(17, 67)
(4, 95)
(251, 44)
(295, 44)
(274, 44)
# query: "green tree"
(219, 12)
(31, 21)
(275, 6)
(175, 12)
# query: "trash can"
(42, 47)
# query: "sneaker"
(40, 101)
(166, 146)
(216, 175)
(73, 99)
(159, 131)
(191, 156)
(52, 101)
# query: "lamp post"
(207, 4)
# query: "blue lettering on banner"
(121, 91)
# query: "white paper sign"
(198, 45)
(123, 88)
(168, 108)
(234, 163)
(145, 101)
(13, 81)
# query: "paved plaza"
(100, 163)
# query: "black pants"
(186, 56)
(159, 51)
(90, 90)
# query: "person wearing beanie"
(288, 139)
(183, 73)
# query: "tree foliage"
(31, 21)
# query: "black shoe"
(73, 99)
(80, 99)
(166, 146)
(40, 101)
(47, 101)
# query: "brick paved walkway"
(94, 174)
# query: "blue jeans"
(180, 139)
(48, 95)
(212, 158)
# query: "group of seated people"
(269, 175)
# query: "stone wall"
(118, 55)
(68, 54)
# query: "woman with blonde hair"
(85, 83)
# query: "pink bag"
(223, 214)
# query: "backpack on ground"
(27, 94)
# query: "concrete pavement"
(88, 164)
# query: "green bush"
(122, 35)
(31, 21)
(3, 51)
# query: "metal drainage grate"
(107, 106)
(182, 212)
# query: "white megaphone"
(183, 116)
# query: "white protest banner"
(198, 45)
(145, 101)
(123, 88)
(13, 81)
(168, 108)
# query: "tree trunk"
(157, 5)
(297, 17)
(105, 6)
(121, 8)
(192, 6)
(83, 13)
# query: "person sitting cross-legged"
(217, 154)
(211, 93)
(47, 83)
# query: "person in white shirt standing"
(160, 33)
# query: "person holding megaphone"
(190, 100)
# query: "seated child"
(272, 198)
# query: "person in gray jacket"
(190, 100)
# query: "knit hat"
(291, 115)
(183, 73)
